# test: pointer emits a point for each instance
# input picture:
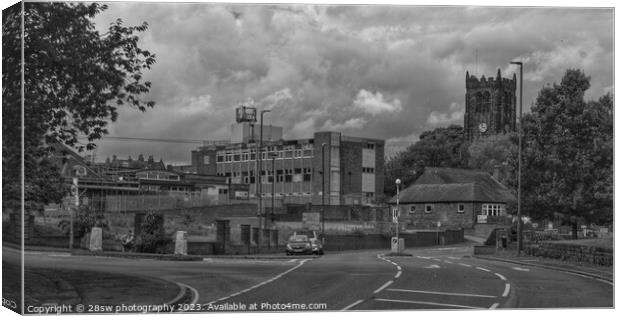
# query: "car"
(298, 244)
(305, 243)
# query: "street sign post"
(395, 215)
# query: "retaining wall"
(572, 252)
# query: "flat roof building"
(292, 170)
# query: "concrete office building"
(293, 169)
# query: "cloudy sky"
(388, 72)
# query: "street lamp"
(520, 133)
(397, 213)
(260, 169)
(323, 189)
(273, 184)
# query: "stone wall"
(572, 252)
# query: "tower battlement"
(490, 105)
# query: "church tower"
(490, 105)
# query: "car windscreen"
(298, 238)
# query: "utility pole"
(260, 169)
(323, 189)
(520, 133)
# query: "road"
(432, 278)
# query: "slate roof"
(454, 185)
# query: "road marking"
(293, 260)
(388, 283)
(194, 293)
(521, 269)
(398, 274)
(262, 283)
(483, 269)
(494, 306)
(436, 259)
(427, 303)
(352, 305)
(501, 276)
(446, 248)
(449, 262)
(398, 268)
(465, 265)
(60, 254)
(207, 259)
(454, 258)
(442, 293)
(506, 290)
(432, 266)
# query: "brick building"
(490, 106)
(453, 198)
(293, 169)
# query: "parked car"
(306, 243)
(298, 244)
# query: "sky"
(381, 71)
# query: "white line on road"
(442, 293)
(352, 305)
(501, 276)
(398, 268)
(388, 283)
(436, 259)
(398, 274)
(465, 265)
(483, 269)
(193, 290)
(521, 269)
(494, 306)
(446, 261)
(427, 303)
(506, 290)
(454, 258)
(262, 283)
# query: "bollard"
(180, 243)
(95, 239)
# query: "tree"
(496, 154)
(441, 147)
(75, 79)
(568, 154)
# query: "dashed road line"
(494, 306)
(506, 290)
(352, 305)
(427, 303)
(465, 265)
(398, 268)
(521, 269)
(442, 293)
(398, 274)
(500, 276)
(449, 262)
(483, 269)
(388, 283)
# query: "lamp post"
(396, 215)
(520, 133)
(323, 189)
(260, 169)
(273, 184)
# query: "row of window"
(369, 146)
(487, 209)
(237, 174)
(251, 156)
(368, 170)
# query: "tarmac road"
(432, 278)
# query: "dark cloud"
(388, 72)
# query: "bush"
(152, 237)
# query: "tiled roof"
(454, 185)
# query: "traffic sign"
(395, 214)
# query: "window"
(369, 194)
(412, 209)
(492, 209)
(461, 208)
(307, 177)
(369, 146)
(428, 208)
(223, 191)
(368, 170)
